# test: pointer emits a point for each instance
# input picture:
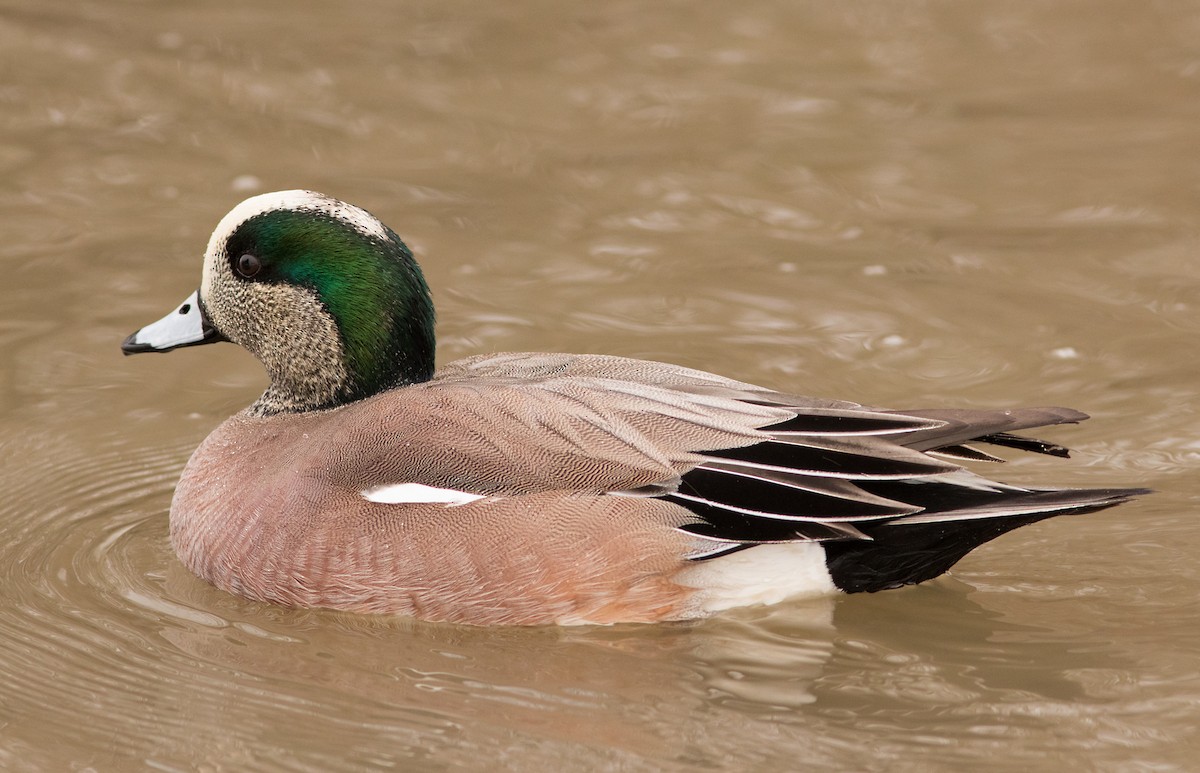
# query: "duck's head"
(325, 295)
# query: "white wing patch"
(417, 494)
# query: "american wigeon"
(541, 488)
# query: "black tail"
(905, 552)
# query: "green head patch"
(367, 280)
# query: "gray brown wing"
(750, 464)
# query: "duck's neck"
(325, 369)
(276, 401)
(317, 387)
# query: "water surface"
(908, 205)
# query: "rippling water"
(902, 204)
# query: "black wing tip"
(1126, 494)
(1027, 444)
(845, 491)
(1047, 416)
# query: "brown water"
(905, 204)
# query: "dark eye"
(248, 265)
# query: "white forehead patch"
(360, 219)
(364, 222)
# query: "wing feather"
(746, 465)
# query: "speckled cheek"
(212, 261)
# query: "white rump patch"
(416, 494)
(763, 574)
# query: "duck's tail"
(916, 548)
(881, 492)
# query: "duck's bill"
(185, 326)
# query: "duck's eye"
(247, 265)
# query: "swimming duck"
(525, 489)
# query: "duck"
(543, 488)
